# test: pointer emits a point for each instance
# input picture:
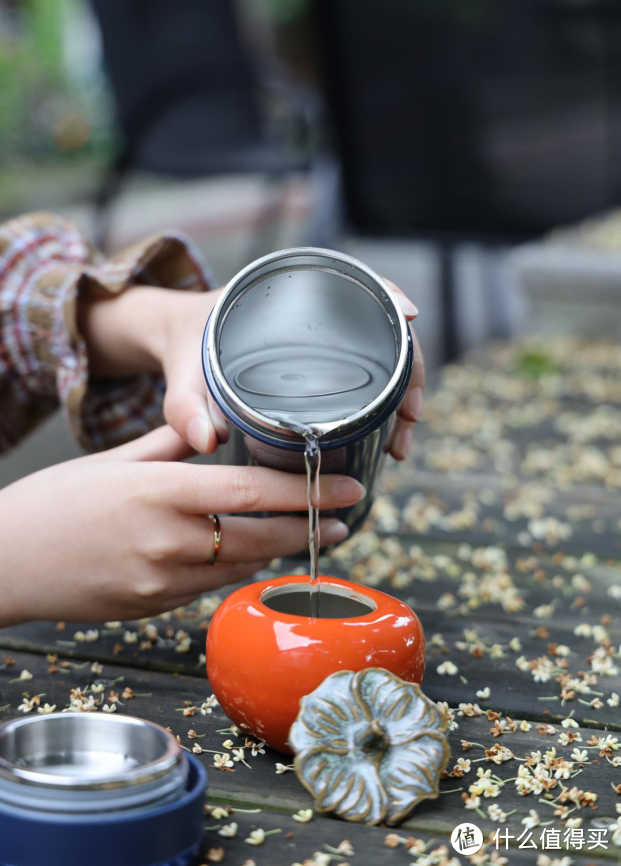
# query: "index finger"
(196, 489)
(411, 407)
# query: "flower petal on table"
(343, 785)
(327, 715)
(411, 772)
(401, 707)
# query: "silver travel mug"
(312, 337)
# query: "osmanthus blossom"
(369, 746)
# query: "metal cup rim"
(139, 775)
(243, 414)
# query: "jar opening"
(337, 602)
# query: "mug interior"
(337, 602)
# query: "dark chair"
(188, 99)
(476, 121)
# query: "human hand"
(124, 534)
(410, 410)
(147, 329)
(160, 330)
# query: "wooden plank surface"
(504, 534)
(166, 698)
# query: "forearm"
(18, 595)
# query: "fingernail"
(348, 491)
(402, 443)
(408, 308)
(333, 531)
(198, 434)
(415, 403)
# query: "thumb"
(162, 444)
(410, 310)
(195, 417)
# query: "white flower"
(580, 755)
(238, 754)
(449, 714)
(447, 668)
(257, 749)
(303, 816)
(496, 813)
(257, 837)
(569, 723)
(208, 705)
(566, 739)
(222, 761)
(46, 708)
(484, 694)
(472, 802)
(532, 820)
(583, 630)
(282, 768)
(525, 726)
(613, 700)
(228, 830)
(600, 634)
(91, 635)
(184, 646)
(109, 708)
(603, 665)
(150, 631)
(25, 675)
(130, 637)
(98, 688)
(26, 706)
(218, 812)
(197, 749)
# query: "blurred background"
(469, 151)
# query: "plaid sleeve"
(45, 265)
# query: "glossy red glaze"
(261, 662)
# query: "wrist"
(126, 334)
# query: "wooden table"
(504, 534)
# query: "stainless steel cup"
(72, 782)
(79, 762)
(308, 336)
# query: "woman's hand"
(160, 330)
(410, 409)
(124, 534)
(148, 329)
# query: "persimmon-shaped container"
(265, 651)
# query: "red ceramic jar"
(264, 652)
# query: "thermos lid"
(65, 778)
(307, 336)
(63, 753)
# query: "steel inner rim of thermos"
(57, 734)
(289, 261)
